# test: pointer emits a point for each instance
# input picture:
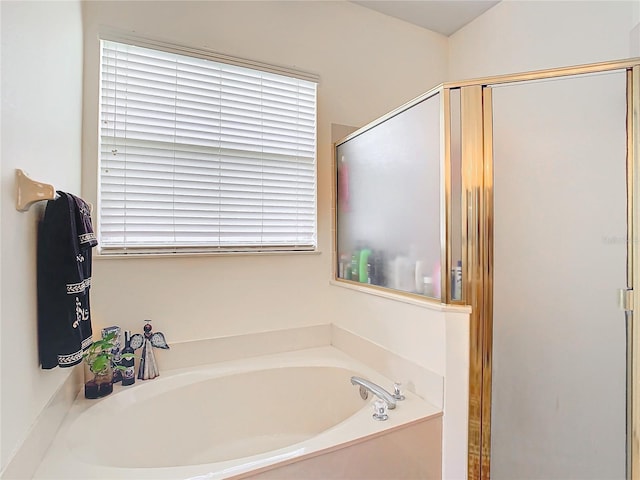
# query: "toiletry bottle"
(129, 373)
(346, 267)
(427, 288)
(342, 266)
(379, 277)
(355, 266)
(452, 278)
(436, 281)
(364, 261)
(371, 268)
(457, 281)
(419, 276)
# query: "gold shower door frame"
(477, 241)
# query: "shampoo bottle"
(364, 261)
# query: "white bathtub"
(239, 419)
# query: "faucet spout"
(377, 390)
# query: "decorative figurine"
(148, 368)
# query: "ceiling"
(445, 17)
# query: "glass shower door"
(560, 254)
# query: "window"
(199, 155)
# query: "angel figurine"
(148, 368)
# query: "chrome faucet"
(378, 391)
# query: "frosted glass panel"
(456, 195)
(388, 201)
(559, 351)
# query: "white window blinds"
(198, 155)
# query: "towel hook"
(29, 191)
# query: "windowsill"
(412, 299)
(137, 256)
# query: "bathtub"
(293, 415)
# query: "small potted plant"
(99, 359)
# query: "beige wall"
(518, 36)
(368, 64)
(41, 127)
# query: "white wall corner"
(456, 397)
(41, 134)
(24, 462)
(634, 41)
(634, 34)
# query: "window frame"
(212, 249)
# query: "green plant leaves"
(99, 357)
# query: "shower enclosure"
(517, 195)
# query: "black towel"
(65, 240)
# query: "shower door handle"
(625, 299)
